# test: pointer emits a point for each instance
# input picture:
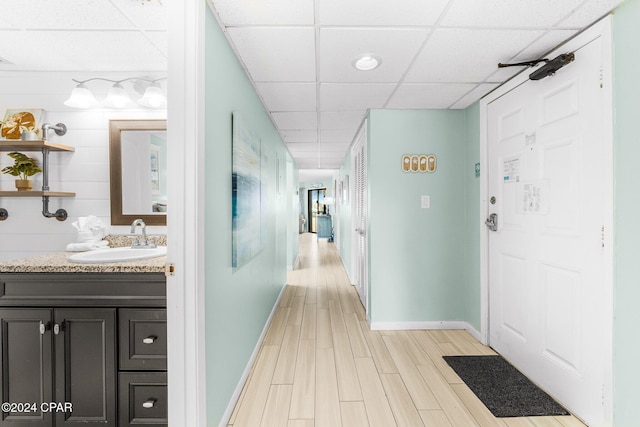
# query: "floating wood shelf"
(19, 145)
(36, 194)
(45, 147)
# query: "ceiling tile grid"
(340, 47)
(508, 13)
(300, 54)
(265, 12)
(380, 12)
(463, 55)
(282, 54)
(288, 96)
(428, 95)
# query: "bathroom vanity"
(83, 343)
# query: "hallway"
(321, 365)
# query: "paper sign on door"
(511, 170)
(533, 197)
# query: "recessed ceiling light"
(367, 62)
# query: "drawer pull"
(149, 403)
(150, 339)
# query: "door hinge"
(601, 78)
(602, 236)
(169, 269)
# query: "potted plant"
(29, 133)
(23, 167)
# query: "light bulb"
(153, 97)
(117, 97)
(81, 97)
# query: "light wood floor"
(321, 365)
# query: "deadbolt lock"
(492, 200)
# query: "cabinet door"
(85, 354)
(26, 360)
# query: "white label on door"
(533, 196)
(511, 170)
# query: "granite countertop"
(57, 262)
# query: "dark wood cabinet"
(27, 369)
(76, 349)
(91, 351)
(85, 360)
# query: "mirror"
(138, 165)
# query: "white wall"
(86, 171)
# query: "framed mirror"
(138, 167)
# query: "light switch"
(425, 202)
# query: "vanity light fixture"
(117, 96)
(153, 97)
(81, 97)
(367, 62)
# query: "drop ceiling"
(439, 54)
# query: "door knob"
(492, 222)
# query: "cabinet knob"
(149, 403)
(150, 339)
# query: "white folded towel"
(87, 246)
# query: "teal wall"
(626, 349)
(424, 263)
(238, 302)
(472, 213)
(416, 256)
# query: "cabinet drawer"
(143, 399)
(143, 339)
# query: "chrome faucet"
(143, 242)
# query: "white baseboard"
(420, 325)
(295, 264)
(247, 370)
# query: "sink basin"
(117, 255)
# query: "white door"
(546, 259)
(359, 216)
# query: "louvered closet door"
(359, 216)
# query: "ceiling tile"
(428, 96)
(263, 12)
(295, 147)
(79, 14)
(354, 96)
(474, 95)
(159, 39)
(339, 48)
(118, 50)
(347, 120)
(149, 15)
(380, 12)
(297, 120)
(589, 12)
(288, 96)
(309, 175)
(299, 135)
(5, 24)
(544, 45)
(339, 136)
(468, 56)
(508, 13)
(277, 54)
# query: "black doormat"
(502, 388)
